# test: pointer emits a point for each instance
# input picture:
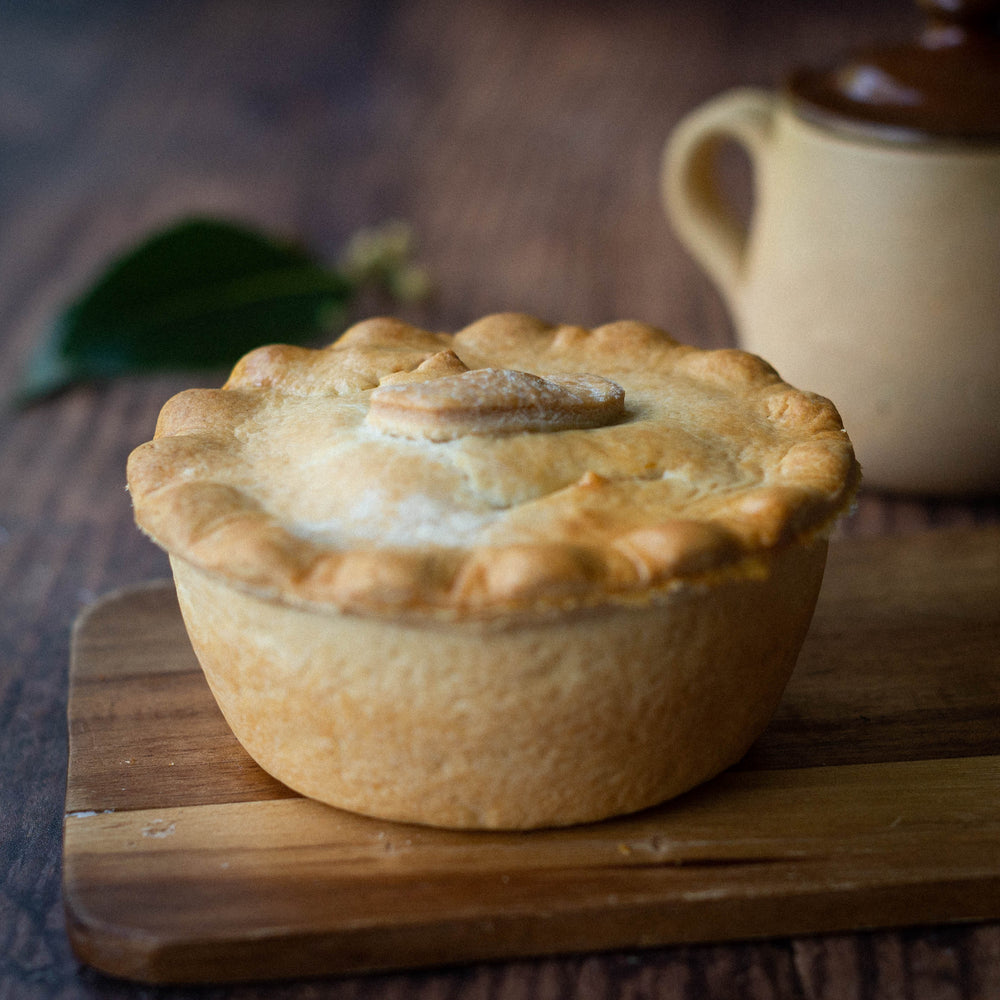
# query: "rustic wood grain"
(522, 141)
(183, 862)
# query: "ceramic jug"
(869, 270)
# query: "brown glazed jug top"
(944, 85)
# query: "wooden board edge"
(122, 953)
(116, 596)
(619, 904)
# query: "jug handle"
(707, 226)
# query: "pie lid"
(513, 467)
(943, 85)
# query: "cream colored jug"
(870, 268)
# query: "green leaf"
(197, 295)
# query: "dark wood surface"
(522, 142)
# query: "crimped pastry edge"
(225, 532)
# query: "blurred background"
(519, 141)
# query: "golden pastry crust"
(298, 482)
(526, 575)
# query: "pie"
(524, 575)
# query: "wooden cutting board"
(872, 800)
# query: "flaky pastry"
(518, 576)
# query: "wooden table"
(521, 141)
